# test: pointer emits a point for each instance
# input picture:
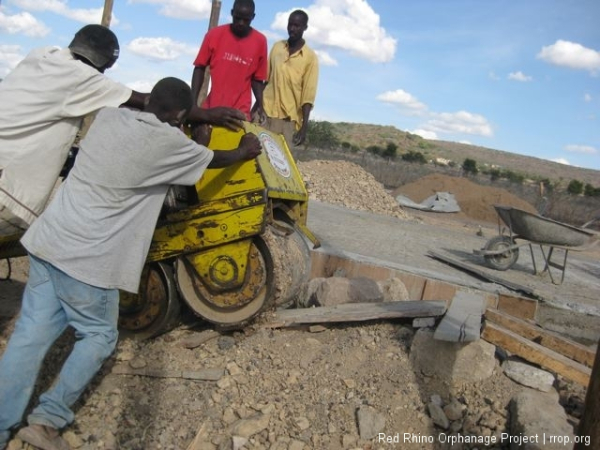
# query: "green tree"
(390, 150)
(575, 187)
(495, 174)
(413, 156)
(375, 150)
(322, 135)
(470, 166)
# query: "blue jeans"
(52, 300)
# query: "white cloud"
(403, 99)
(425, 134)
(585, 149)
(572, 55)
(160, 49)
(22, 23)
(10, 56)
(561, 161)
(519, 76)
(181, 9)
(465, 142)
(141, 85)
(61, 7)
(459, 122)
(350, 25)
(325, 58)
(587, 98)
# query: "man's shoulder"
(308, 49)
(219, 30)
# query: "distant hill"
(365, 135)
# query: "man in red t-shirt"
(237, 57)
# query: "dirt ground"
(288, 389)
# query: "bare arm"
(300, 136)
(230, 118)
(197, 81)
(137, 100)
(249, 148)
(258, 88)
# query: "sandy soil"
(289, 389)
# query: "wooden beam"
(535, 353)
(198, 375)
(357, 312)
(483, 274)
(589, 427)
(107, 13)
(213, 22)
(548, 339)
(521, 307)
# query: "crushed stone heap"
(347, 184)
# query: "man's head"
(242, 14)
(297, 25)
(171, 101)
(96, 45)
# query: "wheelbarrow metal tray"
(542, 230)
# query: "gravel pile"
(347, 184)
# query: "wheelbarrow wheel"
(504, 260)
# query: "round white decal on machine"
(275, 155)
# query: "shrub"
(390, 151)
(470, 166)
(322, 135)
(591, 191)
(413, 156)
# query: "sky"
(518, 76)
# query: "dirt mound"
(475, 201)
(348, 184)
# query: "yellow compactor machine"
(231, 246)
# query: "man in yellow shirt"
(291, 88)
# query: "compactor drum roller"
(229, 247)
(234, 245)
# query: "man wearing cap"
(104, 216)
(43, 102)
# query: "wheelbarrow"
(501, 252)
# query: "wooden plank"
(548, 339)
(589, 427)
(524, 308)
(324, 265)
(535, 353)
(415, 285)
(357, 312)
(482, 274)
(462, 322)
(198, 375)
(438, 290)
(327, 265)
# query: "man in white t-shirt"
(43, 102)
(91, 241)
